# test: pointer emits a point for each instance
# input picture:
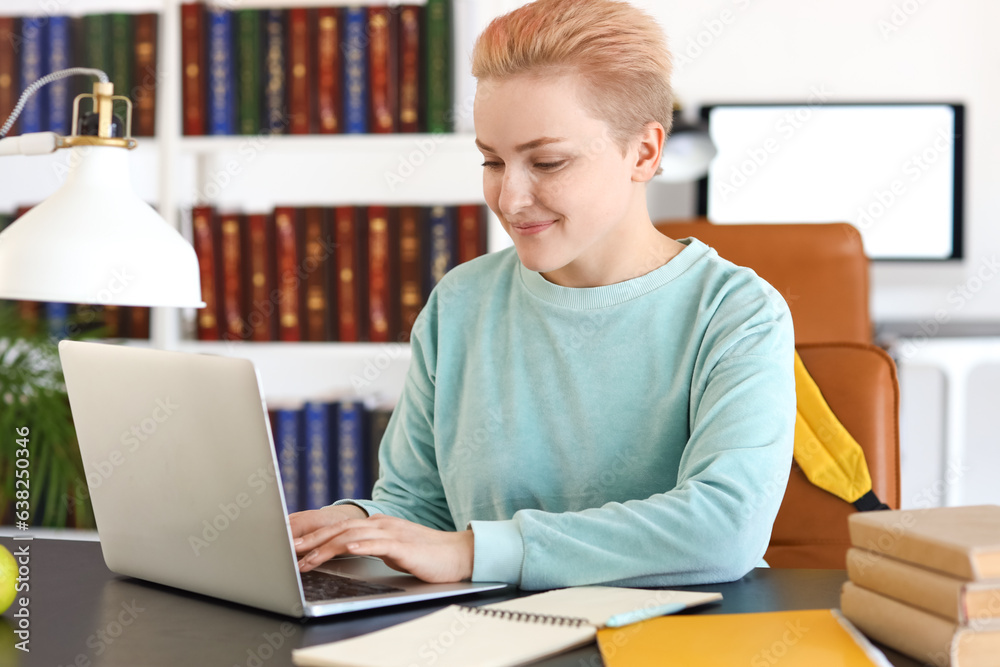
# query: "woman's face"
(552, 174)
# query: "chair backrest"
(859, 383)
(822, 272)
(820, 269)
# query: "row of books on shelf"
(926, 582)
(120, 44)
(323, 70)
(327, 450)
(61, 320)
(345, 273)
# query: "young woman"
(599, 403)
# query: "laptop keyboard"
(319, 586)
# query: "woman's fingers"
(308, 521)
(432, 555)
(323, 544)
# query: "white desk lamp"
(687, 152)
(93, 241)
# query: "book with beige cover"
(503, 634)
(927, 582)
(957, 599)
(961, 541)
(921, 634)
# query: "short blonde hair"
(619, 51)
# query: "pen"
(634, 616)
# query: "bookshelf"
(256, 173)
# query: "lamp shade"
(687, 155)
(94, 241)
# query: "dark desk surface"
(82, 614)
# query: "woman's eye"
(549, 165)
(491, 165)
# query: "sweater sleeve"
(409, 484)
(715, 524)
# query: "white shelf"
(81, 7)
(325, 143)
(77, 7)
(295, 372)
(417, 169)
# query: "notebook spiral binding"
(544, 619)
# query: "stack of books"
(926, 582)
(345, 273)
(320, 70)
(123, 45)
(327, 449)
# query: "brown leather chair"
(822, 272)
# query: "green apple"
(8, 578)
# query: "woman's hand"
(432, 555)
(307, 521)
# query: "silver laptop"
(183, 477)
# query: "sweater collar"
(588, 298)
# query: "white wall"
(858, 50)
(882, 50)
(941, 50)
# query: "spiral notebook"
(503, 634)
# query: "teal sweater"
(638, 434)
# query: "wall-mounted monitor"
(893, 170)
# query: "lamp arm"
(48, 78)
(34, 143)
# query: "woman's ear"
(650, 149)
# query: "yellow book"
(804, 638)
